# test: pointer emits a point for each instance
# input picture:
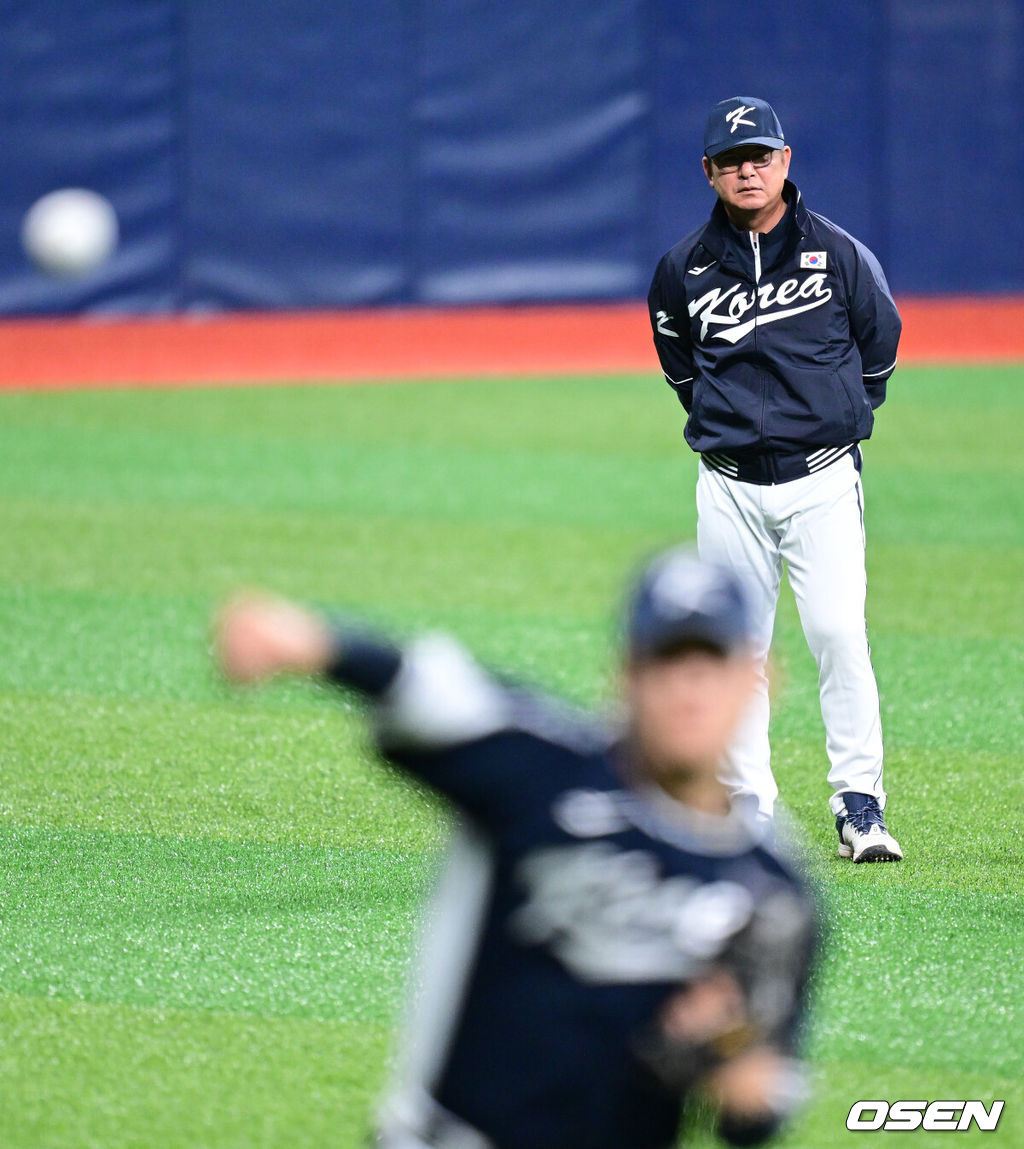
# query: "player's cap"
(741, 120)
(680, 600)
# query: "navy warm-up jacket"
(779, 344)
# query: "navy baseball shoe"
(862, 833)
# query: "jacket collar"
(719, 233)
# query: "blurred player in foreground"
(609, 935)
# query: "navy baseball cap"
(679, 599)
(741, 120)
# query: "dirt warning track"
(418, 343)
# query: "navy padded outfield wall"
(333, 153)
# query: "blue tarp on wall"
(335, 154)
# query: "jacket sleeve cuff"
(363, 662)
(683, 389)
(875, 389)
(750, 1132)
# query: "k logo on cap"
(735, 117)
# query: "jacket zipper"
(755, 243)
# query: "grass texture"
(208, 898)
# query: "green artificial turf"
(208, 897)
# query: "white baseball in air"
(69, 232)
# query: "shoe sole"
(871, 854)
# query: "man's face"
(685, 708)
(750, 177)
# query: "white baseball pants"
(815, 525)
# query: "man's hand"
(708, 1040)
(752, 1086)
(256, 636)
(708, 1010)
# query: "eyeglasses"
(730, 163)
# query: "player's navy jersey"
(572, 906)
(783, 347)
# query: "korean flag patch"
(815, 259)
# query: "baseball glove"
(750, 995)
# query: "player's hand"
(751, 1086)
(706, 1010)
(256, 636)
(701, 1027)
(753, 1082)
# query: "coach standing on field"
(777, 331)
